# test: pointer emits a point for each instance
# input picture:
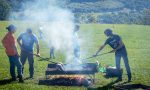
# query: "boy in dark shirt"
(120, 51)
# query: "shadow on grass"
(45, 59)
(5, 81)
(121, 87)
(106, 87)
(132, 86)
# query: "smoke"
(55, 22)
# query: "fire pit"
(57, 74)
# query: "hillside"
(93, 5)
(90, 11)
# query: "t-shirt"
(28, 41)
(114, 42)
(9, 43)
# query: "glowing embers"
(66, 80)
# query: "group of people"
(27, 40)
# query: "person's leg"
(125, 58)
(31, 64)
(77, 52)
(118, 58)
(52, 52)
(19, 68)
(23, 59)
(12, 67)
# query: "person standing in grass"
(28, 39)
(76, 45)
(9, 42)
(52, 55)
(119, 49)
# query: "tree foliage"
(4, 9)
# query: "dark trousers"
(52, 52)
(77, 52)
(118, 56)
(24, 57)
(14, 61)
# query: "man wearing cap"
(9, 42)
(28, 39)
(119, 48)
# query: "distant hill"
(93, 5)
(107, 5)
(91, 11)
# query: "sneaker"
(13, 79)
(31, 77)
(21, 79)
(119, 79)
(17, 76)
(129, 79)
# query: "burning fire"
(68, 80)
(66, 76)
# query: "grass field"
(135, 37)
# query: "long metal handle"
(95, 56)
(36, 55)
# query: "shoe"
(17, 76)
(31, 77)
(129, 79)
(13, 79)
(21, 79)
(119, 79)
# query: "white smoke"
(55, 22)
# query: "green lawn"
(135, 37)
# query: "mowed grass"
(135, 37)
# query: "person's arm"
(18, 40)
(37, 46)
(3, 41)
(100, 49)
(13, 44)
(15, 48)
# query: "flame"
(66, 76)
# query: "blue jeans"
(24, 57)
(14, 61)
(77, 52)
(52, 52)
(123, 54)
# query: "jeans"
(77, 52)
(52, 52)
(14, 61)
(24, 57)
(123, 54)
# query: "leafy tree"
(146, 17)
(4, 9)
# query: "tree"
(4, 9)
(146, 17)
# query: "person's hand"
(18, 55)
(95, 55)
(112, 51)
(38, 55)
